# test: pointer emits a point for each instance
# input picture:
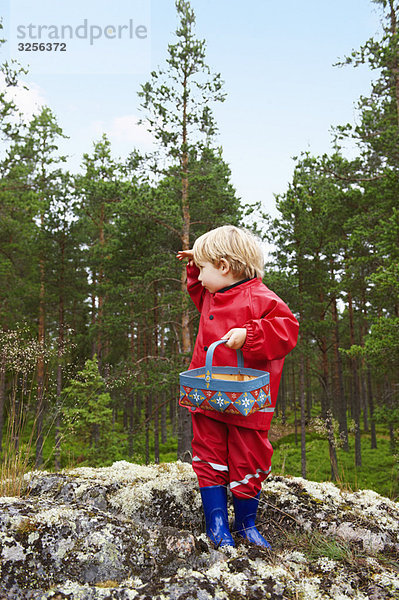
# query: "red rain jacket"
(272, 332)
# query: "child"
(224, 274)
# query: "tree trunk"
(96, 435)
(302, 376)
(147, 429)
(326, 400)
(130, 403)
(362, 383)
(139, 408)
(293, 399)
(125, 415)
(355, 388)
(184, 432)
(303, 410)
(57, 433)
(368, 388)
(282, 397)
(392, 438)
(331, 447)
(339, 393)
(156, 352)
(60, 352)
(130, 433)
(100, 312)
(172, 410)
(164, 431)
(364, 402)
(156, 431)
(2, 397)
(40, 365)
(302, 371)
(93, 316)
(371, 407)
(308, 390)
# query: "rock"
(132, 532)
(371, 542)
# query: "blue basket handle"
(209, 358)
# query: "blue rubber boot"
(245, 512)
(214, 501)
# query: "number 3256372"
(42, 47)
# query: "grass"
(16, 456)
(379, 470)
(316, 545)
(74, 452)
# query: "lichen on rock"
(135, 532)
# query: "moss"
(107, 584)
(26, 526)
(149, 532)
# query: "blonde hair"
(237, 246)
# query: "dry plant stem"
(15, 463)
(16, 458)
(20, 357)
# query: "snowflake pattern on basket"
(235, 390)
(244, 403)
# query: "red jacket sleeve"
(273, 335)
(194, 287)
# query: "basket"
(232, 390)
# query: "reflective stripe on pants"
(230, 455)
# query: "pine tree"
(375, 257)
(34, 159)
(88, 415)
(177, 104)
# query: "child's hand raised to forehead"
(188, 254)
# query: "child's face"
(213, 278)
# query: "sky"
(276, 58)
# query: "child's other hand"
(182, 254)
(236, 338)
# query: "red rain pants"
(230, 455)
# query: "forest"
(95, 321)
